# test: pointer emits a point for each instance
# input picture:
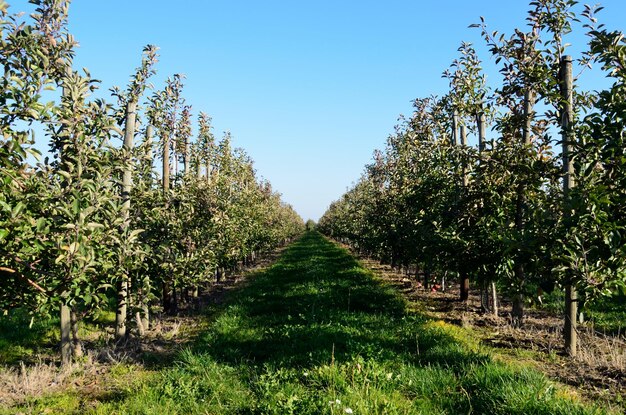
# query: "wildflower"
(348, 410)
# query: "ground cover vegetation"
(97, 243)
(317, 333)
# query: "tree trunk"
(166, 164)
(517, 312)
(66, 335)
(167, 297)
(143, 307)
(165, 171)
(529, 115)
(571, 313)
(121, 311)
(463, 136)
(482, 131)
(484, 298)
(141, 331)
(455, 124)
(494, 299)
(464, 284)
(174, 300)
(122, 293)
(77, 349)
(463, 275)
(567, 120)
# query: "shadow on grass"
(318, 305)
(317, 334)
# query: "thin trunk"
(482, 131)
(77, 349)
(144, 304)
(122, 309)
(165, 293)
(464, 283)
(518, 267)
(174, 300)
(122, 293)
(529, 115)
(66, 335)
(517, 314)
(494, 299)
(463, 137)
(149, 162)
(484, 298)
(150, 140)
(481, 123)
(139, 322)
(463, 275)
(66, 325)
(187, 157)
(455, 123)
(167, 297)
(567, 121)
(166, 164)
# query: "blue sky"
(308, 88)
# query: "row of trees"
(93, 224)
(513, 210)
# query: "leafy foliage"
(95, 218)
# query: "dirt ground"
(598, 373)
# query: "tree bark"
(494, 299)
(517, 313)
(567, 121)
(144, 305)
(66, 335)
(77, 348)
(122, 309)
(464, 284)
(122, 293)
(518, 267)
(463, 275)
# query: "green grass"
(318, 334)
(23, 337)
(605, 314)
(608, 315)
(28, 338)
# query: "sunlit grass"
(318, 334)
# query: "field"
(315, 332)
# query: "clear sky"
(308, 88)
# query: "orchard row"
(513, 211)
(94, 225)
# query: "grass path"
(316, 333)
